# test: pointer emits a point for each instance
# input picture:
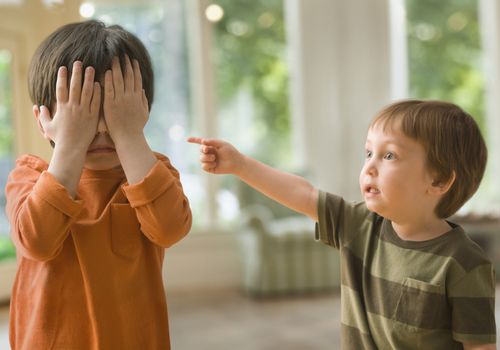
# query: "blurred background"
(294, 83)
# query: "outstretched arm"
(294, 192)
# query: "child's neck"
(421, 231)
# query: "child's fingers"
(62, 84)
(144, 99)
(95, 105)
(204, 158)
(117, 76)
(209, 167)
(208, 142)
(203, 148)
(75, 86)
(128, 76)
(197, 140)
(137, 76)
(213, 142)
(207, 149)
(109, 90)
(88, 86)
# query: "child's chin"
(102, 161)
(373, 207)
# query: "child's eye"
(369, 154)
(389, 156)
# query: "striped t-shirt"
(396, 294)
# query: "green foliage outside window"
(7, 250)
(5, 104)
(250, 49)
(250, 56)
(445, 59)
(6, 141)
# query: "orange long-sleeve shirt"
(90, 269)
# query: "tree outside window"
(446, 62)
(6, 152)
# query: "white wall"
(341, 59)
(489, 16)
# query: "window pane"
(252, 90)
(252, 93)
(445, 62)
(161, 27)
(6, 158)
(445, 53)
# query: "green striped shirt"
(397, 294)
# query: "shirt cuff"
(155, 183)
(49, 189)
(321, 232)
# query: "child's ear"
(441, 187)
(36, 114)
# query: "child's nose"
(370, 167)
(102, 128)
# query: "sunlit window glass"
(446, 62)
(6, 156)
(252, 89)
(161, 27)
(445, 53)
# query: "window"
(6, 152)
(251, 90)
(446, 62)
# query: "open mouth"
(372, 190)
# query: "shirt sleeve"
(472, 301)
(162, 208)
(40, 212)
(340, 221)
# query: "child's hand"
(218, 157)
(77, 111)
(125, 102)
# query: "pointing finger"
(197, 140)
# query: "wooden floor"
(227, 320)
(233, 321)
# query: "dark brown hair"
(92, 43)
(453, 143)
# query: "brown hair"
(92, 43)
(453, 143)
